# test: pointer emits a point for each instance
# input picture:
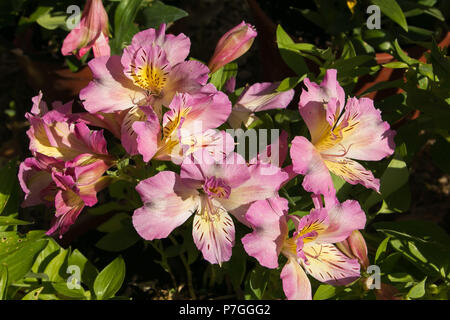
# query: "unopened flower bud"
(232, 45)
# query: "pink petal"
(267, 218)
(187, 76)
(263, 96)
(68, 207)
(233, 169)
(209, 109)
(110, 90)
(134, 60)
(35, 182)
(315, 107)
(329, 265)
(147, 133)
(217, 143)
(264, 182)
(274, 153)
(352, 172)
(167, 205)
(366, 136)
(39, 106)
(213, 232)
(88, 141)
(128, 134)
(109, 121)
(344, 218)
(176, 47)
(296, 284)
(101, 47)
(307, 161)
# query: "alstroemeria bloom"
(258, 97)
(310, 250)
(76, 187)
(52, 134)
(92, 32)
(35, 178)
(232, 45)
(69, 186)
(208, 189)
(339, 136)
(186, 127)
(148, 74)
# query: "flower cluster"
(162, 107)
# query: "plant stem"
(164, 262)
(188, 270)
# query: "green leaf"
(423, 243)
(381, 250)
(158, 13)
(418, 291)
(9, 175)
(395, 65)
(115, 223)
(391, 9)
(87, 269)
(324, 291)
(290, 83)
(398, 201)
(12, 241)
(120, 239)
(221, 76)
(342, 188)
(350, 67)
(393, 178)
(124, 26)
(3, 281)
(45, 256)
(259, 278)
(33, 295)
(8, 221)
(52, 21)
(110, 279)
(400, 277)
(57, 265)
(20, 261)
(62, 289)
(290, 53)
(402, 55)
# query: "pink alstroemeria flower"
(92, 32)
(150, 72)
(311, 248)
(208, 189)
(52, 134)
(232, 45)
(339, 136)
(69, 186)
(77, 187)
(35, 178)
(186, 127)
(258, 97)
